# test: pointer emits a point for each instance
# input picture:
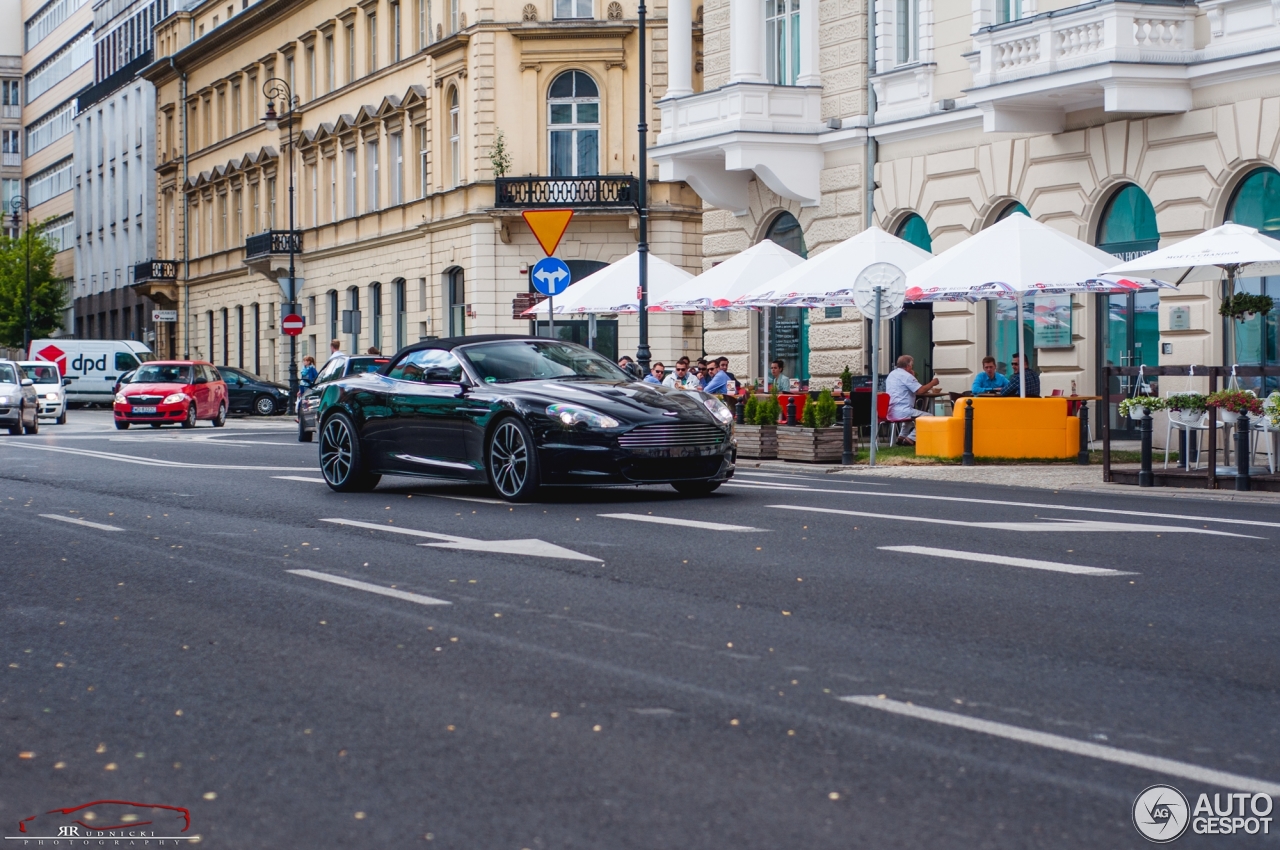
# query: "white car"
(50, 389)
(18, 407)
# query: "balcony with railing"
(597, 192)
(271, 242)
(157, 280)
(1123, 56)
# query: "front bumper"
(53, 408)
(584, 458)
(163, 412)
(10, 415)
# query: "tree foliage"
(48, 295)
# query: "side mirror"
(201, 380)
(66, 382)
(438, 375)
(27, 382)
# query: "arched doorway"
(785, 330)
(1128, 325)
(911, 331)
(1256, 203)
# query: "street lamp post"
(18, 207)
(642, 204)
(277, 88)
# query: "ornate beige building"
(398, 232)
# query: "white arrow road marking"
(1072, 525)
(478, 499)
(1029, 563)
(1128, 758)
(371, 588)
(147, 461)
(84, 522)
(299, 478)
(681, 521)
(527, 546)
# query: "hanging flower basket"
(1243, 306)
(1233, 404)
(1271, 412)
(1187, 408)
(1138, 407)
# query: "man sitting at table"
(989, 380)
(903, 390)
(1033, 379)
(717, 381)
(777, 380)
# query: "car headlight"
(4, 399)
(719, 410)
(570, 415)
(120, 399)
(50, 396)
(174, 398)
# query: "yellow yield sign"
(548, 227)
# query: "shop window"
(787, 328)
(1257, 341)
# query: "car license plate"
(144, 410)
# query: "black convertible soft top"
(452, 342)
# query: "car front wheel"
(190, 421)
(341, 458)
(121, 425)
(304, 433)
(264, 405)
(221, 418)
(62, 418)
(512, 461)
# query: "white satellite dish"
(892, 282)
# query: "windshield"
(162, 373)
(7, 375)
(43, 374)
(360, 365)
(532, 360)
(143, 356)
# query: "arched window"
(1010, 209)
(333, 314)
(1128, 227)
(351, 321)
(786, 231)
(455, 137)
(782, 40)
(914, 230)
(1256, 203)
(573, 120)
(455, 288)
(399, 288)
(375, 318)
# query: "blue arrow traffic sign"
(550, 276)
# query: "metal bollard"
(967, 458)
(846, 457)
(1083, 458)
(1184, 443)
(1145, 476)
(1243, 455)
(791, 412)
(740, 412)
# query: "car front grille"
(675, 435)
(145, 399)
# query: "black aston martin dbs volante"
(521, 413)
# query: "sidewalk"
(1066, 477)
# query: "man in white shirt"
(335, 348)
(681, 378)
(903, 390)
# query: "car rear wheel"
(221, 418)
(34, 427)
(190, 421)
(696, 488)
(304, 433)
(341, 459)
(264, 405)
(62, 418)
(121, 425)
(512, 461)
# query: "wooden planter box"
(811, 445)
(757, 441)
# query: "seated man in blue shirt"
(989, 380)
(717, 381)
(1033, 379)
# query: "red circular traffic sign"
(292, 324)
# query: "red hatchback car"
(179, 391)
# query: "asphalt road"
(599, 670)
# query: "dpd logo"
(1161, 814)
(54, 355)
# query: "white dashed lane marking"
(682, 522)
(370, 588)
(84, 522)
(299, 478)
(1028, 563)
(1155, 764)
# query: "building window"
(395, 160)
(1257, 204)
(572, 8)
(1012, 208)
(351, 181)
(47, 184)
(395, 31)
(371, 25)
(424, 23)
(239, 336)
(353, 304)
(375, 318)
(351, 53)
(573, 120)
(372, 195)
(907, 26)
(782, 41)
(456, 287)
(330, 65)
(453, 16)
(313, 182)
(311, 72)
(239, 199)
(455, 137)
(1008, 10)
(914, 230)
(271, 204)
(226, 337)
(237, 108)
(254, 218)
(398, 287)
(10, 95)
(222, 221)
(333, 314)
(51, 127)
(61, 65)
(423, 153)
(331, 163)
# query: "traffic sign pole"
(875, 367)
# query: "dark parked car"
(251, 394)
(520, 413)
(337, 366)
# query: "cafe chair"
(1193, 429)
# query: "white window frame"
(352, 179)
(373, 196)
(395, 159)
(782, 68)
(455, 136)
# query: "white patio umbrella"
(1233, 248)
(616, 288)
(718, 287)
(826, 280)
(1013, 258)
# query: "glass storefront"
(1002, 320)
(1257, 204)
(911, 331)
(787, 328)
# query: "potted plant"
(1137, 407)
(758, 436)
(1271, 410)
(1232, 404)
(1244, 305)
(814, 440)
(1186, 407)
(846, 380)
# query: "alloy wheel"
(335, 451)
(509, 459)
(265, 405)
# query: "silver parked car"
(19, 405)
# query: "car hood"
(625, 401)
(153, 389)
(6, 387)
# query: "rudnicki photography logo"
(123, 821)
(1161, 814)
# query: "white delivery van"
(93, 365)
